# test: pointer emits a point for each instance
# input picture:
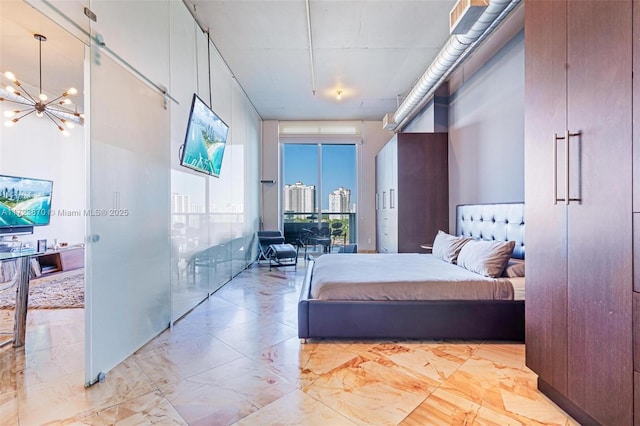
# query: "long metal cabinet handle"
(377, 201)
(392, 203)
(556, 138)
(384, 200)
(566, 167)
(568, 136)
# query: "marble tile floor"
(236, 360)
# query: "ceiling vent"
(464, 14)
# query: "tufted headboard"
(502, 222)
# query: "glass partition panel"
(222, 216)
(189, 241)
(128, 254)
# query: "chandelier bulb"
(42, 97)
(39, 114)
(72, 91)
(65, 133)
(10, 76)
(10, 89)
(65, 102)
(10, 114)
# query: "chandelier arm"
(50, 117)
(19, 102)
(53, 100)
(24, 115)
(24, 89)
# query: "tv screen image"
(24, 201)
(205, 140)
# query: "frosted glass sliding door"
(128, 254)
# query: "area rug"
(60, 291)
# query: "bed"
(499, 316)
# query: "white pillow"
(487, 258)
(447, 247)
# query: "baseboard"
(563, 402)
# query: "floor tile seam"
(284, 324)
(166, 398)
(448, 387)
(146, 353)
(259, 349)
(95, 411)
(255, 357)
(417, 407)
(330, 408)
(255, 309)
(241, 355)
(101, 406)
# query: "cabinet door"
(599, 106)
(383, 184)
(392, 225)
(545, 114)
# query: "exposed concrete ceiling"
(371, 50)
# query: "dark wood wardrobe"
(579, 204)
(412, 191)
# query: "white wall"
(269, 166)
(486, 132)
(486, 125)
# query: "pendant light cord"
(40, 44)
(209, 65)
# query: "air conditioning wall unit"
(464, 14)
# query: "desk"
(22, 294)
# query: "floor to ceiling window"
(319, 194)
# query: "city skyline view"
(300, 164)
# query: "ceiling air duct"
(455, 50)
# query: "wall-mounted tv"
(205, 141)
(24, 203)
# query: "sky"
(338, 168)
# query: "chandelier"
(55, 109)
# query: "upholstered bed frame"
(446, 319)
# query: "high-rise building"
(299, 198)
(340, 200)
(180, 203)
